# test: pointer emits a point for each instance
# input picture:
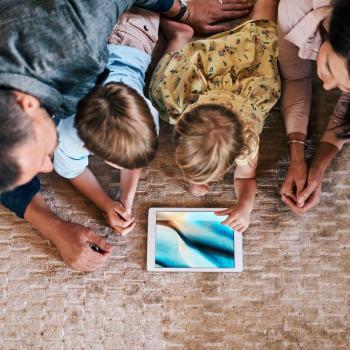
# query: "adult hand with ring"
(205, 16)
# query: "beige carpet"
(294, 292)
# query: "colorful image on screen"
(193, 239)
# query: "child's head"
(116, 124)
(208, 139)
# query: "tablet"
(192, 240)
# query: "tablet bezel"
(151, 240)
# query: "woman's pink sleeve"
(296, 85)
(331, 133)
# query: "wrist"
(319, 167)
(107, 204)
(297, 153)
(127, 201)
(187, 15)
(55, 230)
(247, 205)
(178, 11)
(324, 155)
(297, 142)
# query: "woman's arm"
(296, 105)
(327, 150)
(331, 133)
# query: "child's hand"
(119, 218)
(238, 217)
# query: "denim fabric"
(18, 199)
(56, 50)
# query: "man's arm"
(18, 200)
(72, 240)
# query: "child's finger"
(240, 228)
(235, 226)
(123, 213)
(222, 212)
(291, 204)
(124, 231)
(117, 220)
(129, 229)
(230, 220)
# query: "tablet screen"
(193, 239)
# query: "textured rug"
(294, 292)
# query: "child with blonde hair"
(218, 92)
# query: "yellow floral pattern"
(237, 68)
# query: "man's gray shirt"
(56, 49)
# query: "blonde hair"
(208, 139)
(116, 124)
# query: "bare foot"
(199, 190)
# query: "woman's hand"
(294, 184)
(311, 195)
(306, 199)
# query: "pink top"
(299, 42)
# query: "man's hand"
(119, 218)
(74, 242)
(204, 16)
(294, 184)
(238, 217)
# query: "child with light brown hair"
(218, 92)
(115, 122)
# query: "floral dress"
(237, 69)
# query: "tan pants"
(136, 28)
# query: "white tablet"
(192, 240)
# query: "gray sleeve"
(155, 5)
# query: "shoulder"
(290, 13)
(69, 141)
(71, 157)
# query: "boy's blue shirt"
(56, 50)
(126, 65)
